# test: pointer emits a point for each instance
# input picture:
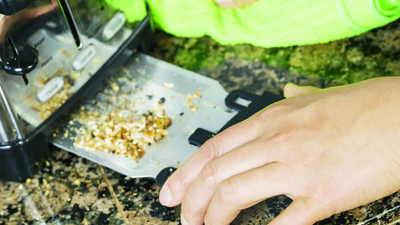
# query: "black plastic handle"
(230, 100)
(200, 136)
(259, 103)
(163, 176)
(10, 7)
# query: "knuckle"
(285, 135)
(180, 181)
(209, 175)
(227, 191)
(275, 108)
(256, 127)
(210, 149)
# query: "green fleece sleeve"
(268, 23)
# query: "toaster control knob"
(19, 60)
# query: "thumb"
(291, 90)
(302, 213)
(233, 4)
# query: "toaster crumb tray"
(189, 99)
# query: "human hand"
(7, 22)
(233, 4)
(329, 150)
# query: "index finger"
(177, 185)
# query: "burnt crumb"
(162, 100)
(181, 114)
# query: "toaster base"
(21, 158)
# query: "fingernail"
(183, 221)
(226, 3)
(165, 195)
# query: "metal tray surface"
(146, 76)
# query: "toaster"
(51, 54)
(60, 58)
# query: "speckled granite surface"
(71, 190)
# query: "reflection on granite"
(71, 190)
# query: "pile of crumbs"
(123, 126)
(122, 131)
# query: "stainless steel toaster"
(57, 57)
(52, 53)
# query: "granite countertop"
(68, 189)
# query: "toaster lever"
(70, 19)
